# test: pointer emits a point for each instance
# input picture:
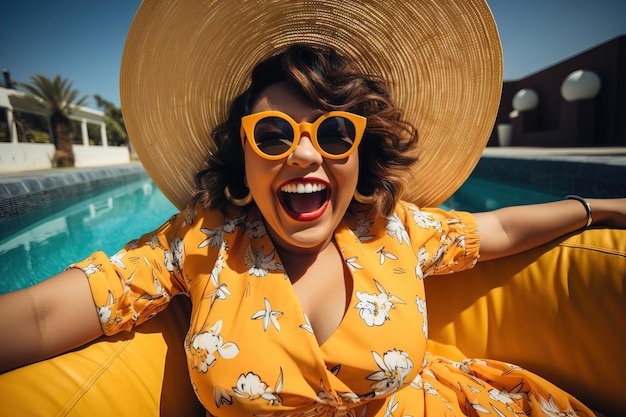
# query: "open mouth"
(304, 200)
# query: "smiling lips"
(304, 199)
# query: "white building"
(26, 136)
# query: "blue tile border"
(25, 192)
(559, 176)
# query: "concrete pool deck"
(591, 172)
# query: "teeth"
(306, 188)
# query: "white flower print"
(503, 397)
(251, 386)
(454, 220)
(259, 264)
(394, 366)
(332, 403)
(513, 368)
(441, 250)
(174, 258)
(395, 228)
(422, 257)
(216, 236)
(221, 397)
(351, 262)
(217, 268)
(159, 289)
(374, 308)
(268, 315)
(362, 230)
(145, 260)
(92, 269)
(472, 388)
(464, 365)
(516, 393)
(307, 326)
(117, 259)
(154, 242)
(203, 346)
(418, 382)
(256, 229)
(392, 406)
(480, 408)
(550, 408)
(421, 307)
(425, 220)
(350, 397)
(219, 293)
(328, 397)
(104, 312)
(459, 241)
(126, 282)
(385, 255)
(159, 293)
(500, 396)
(428, 372)
(230, 225)
(428, 387)
(431, 390)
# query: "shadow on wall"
(576, 103)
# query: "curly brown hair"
(330, 82)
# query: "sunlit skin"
(309, 232)
(305, 242)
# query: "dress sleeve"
(137, 282)
(445, 241)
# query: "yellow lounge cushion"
(139, 374)
(559, 310)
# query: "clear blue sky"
(82, 40)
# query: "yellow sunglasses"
(274, 135)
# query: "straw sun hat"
(185, 61)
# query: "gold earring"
(238, 201)
(360, 198)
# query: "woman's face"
(303, 196)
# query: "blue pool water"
(40, 244)
(52, 238)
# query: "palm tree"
(116, 131)
(61, 100)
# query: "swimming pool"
(49, 239)
(40, 244)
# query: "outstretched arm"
(47, 319)
(516, 229)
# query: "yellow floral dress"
(251, 350)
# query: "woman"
(304, 267)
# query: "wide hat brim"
(186, 60)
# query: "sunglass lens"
(273, 135)
(335, 135)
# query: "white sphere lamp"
(525, 99)
(580, 85)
